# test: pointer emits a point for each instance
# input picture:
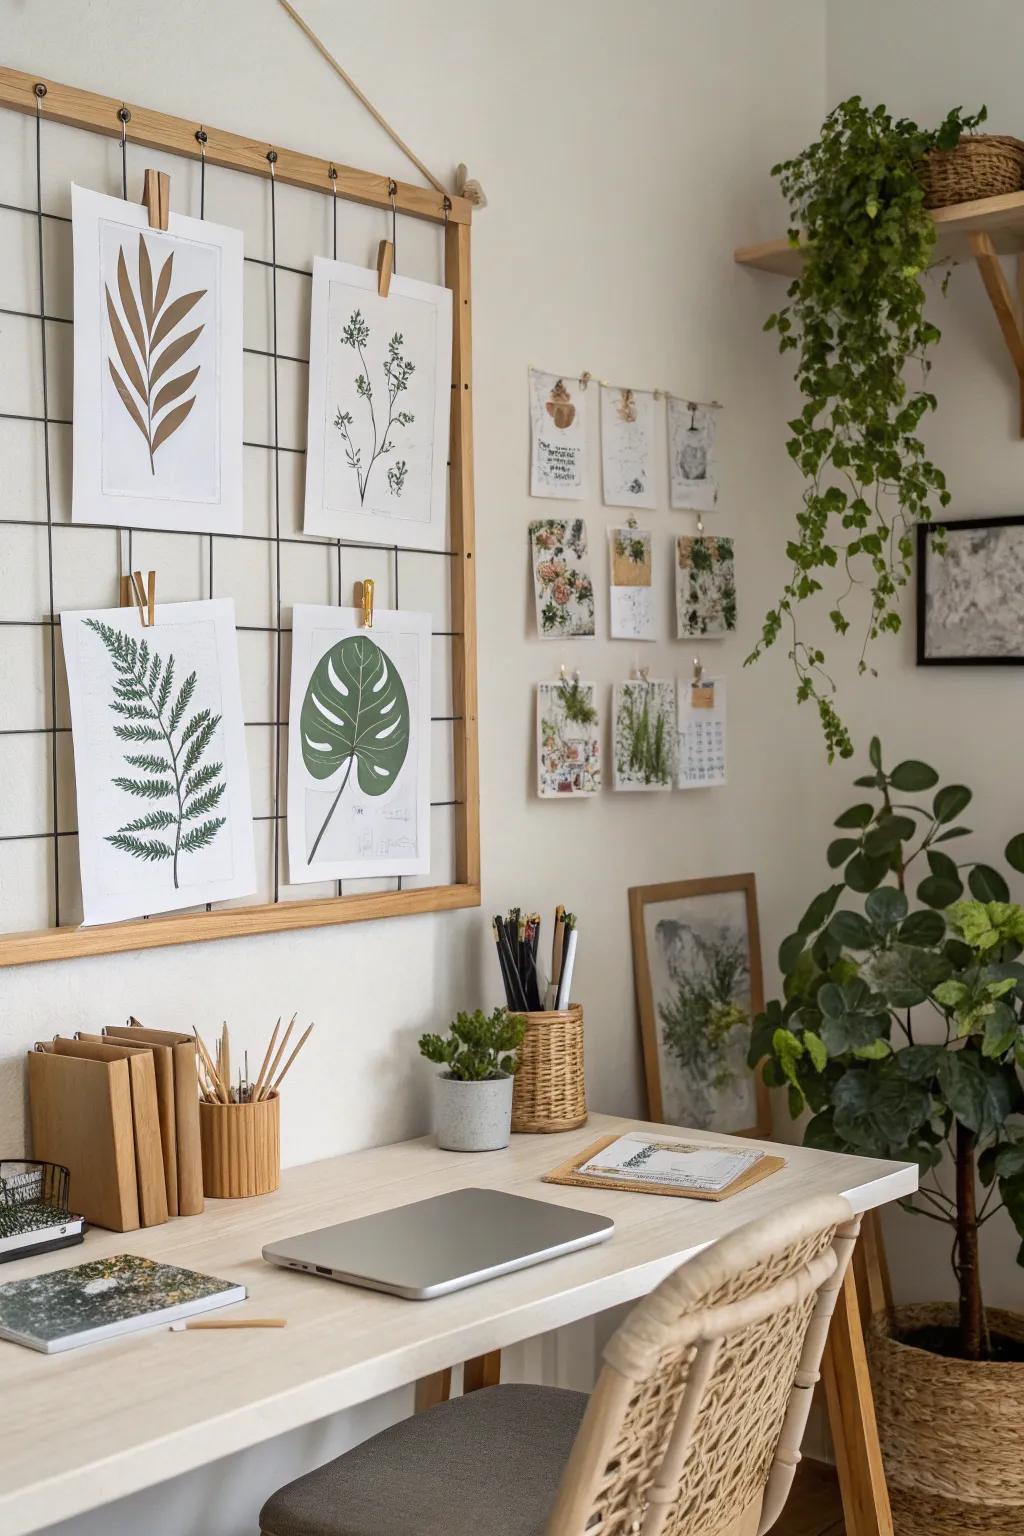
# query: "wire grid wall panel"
(48, 564)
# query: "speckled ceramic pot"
(473, 1117)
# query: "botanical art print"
(359, 744)
(627, 447)
(559, 436)
(632, 591)
(705, 587)
(643, 735)
(701, 707)
(162, 779)
(568, 739)
(971, 597)
(563, 587)
(698, 982)
(158, 369)
(692, 467)
(379, 402)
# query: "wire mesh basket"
(33, 1195)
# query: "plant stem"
(330, 813)
(971, 1311)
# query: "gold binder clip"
(367, 602)
(133, 595)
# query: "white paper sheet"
(559, 436)
(158, 324)
(358, 744)
(692, 461)
(644, 735)
(705, 587)
(161, 772)
(568, 745)
(380, 375)
(631, 595)
(563, 587)
(627, 447)
(702, 732)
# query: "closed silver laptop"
(442, 1244)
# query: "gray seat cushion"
(489, 1462)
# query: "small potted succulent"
(473, 1093)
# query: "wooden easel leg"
(484, 1371)
(851, 1413)
(871, 1270)
(431, 1390)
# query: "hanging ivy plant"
(855, 318)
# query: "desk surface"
(173, 1402)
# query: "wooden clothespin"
(132, 594)
(385, 267)
(700, 525)
(698, 671)
(364, 600)
(585, 378)
(157, 198)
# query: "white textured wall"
(624, 149)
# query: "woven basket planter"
(981, 165)
(949, 1429)
(550, 1093)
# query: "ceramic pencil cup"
(241, 1148)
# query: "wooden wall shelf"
(981, 231)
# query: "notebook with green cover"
(104, 1298)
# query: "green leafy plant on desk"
(479, 1047)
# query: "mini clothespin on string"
(700, 525)
(643, 674)
(133, 595)
(364, 598)
(698, 671)
(565, 676)
(631, 521)
(386, 248)
(156, 196)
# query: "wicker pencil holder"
(981, 165)
(549, 1092)
(241, 1148)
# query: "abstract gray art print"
(970, 607)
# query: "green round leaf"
(886, 907)
(790, 951)
(951, 802)
(923, 929)
(831, 1001)
(875, 753)
(819, 910)
(936, 891)
(863, 874)
(942, 865)
(911, 777)
(888, 835)
(951, 832)
(987, 884)
(856, 816)
(839, 851)
(1014, 853)
(852, 930)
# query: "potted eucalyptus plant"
(473, 1092)
(901, 1029)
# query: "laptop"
(442, 1244)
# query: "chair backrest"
(695, 1424)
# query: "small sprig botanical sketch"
(705, 586)
(563, 588)
(644, 734)
(167, 750)
(627, 447)
(397, 370)
(149, 318)
(568, 739)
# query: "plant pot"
(473, 1117)
(947, 1428)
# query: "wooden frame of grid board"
(45, 100)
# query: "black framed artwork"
(970, 600)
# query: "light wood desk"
(81, 1429)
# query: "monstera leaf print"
(356, 710)
(147, 350)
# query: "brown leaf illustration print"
(146, 350)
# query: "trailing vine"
(855, 318)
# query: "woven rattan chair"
(693, 1429)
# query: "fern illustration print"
(166, 747)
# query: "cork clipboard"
(568, 1173)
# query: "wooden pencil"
(291, 1058)
(258, 1085)
(277, 1059)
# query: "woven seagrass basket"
(981, 165)
(948, 1429)
(550, 1093)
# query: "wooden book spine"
(81, 1117)
(186, 1108)
(146, 1118)
(163, 1065)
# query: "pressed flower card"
(562, 582)
(358, 744)
(161, 773)
(644, 734)
(158, 369)
(559, 436)
(627, 447)
(692, 465)
(568, 744)
(380, 374)
(705, 587)
(632, 589)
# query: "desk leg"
(851, 1413)
(484, 1371)
(431, 1390)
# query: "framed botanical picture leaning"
(970, 599)
(697, 966)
